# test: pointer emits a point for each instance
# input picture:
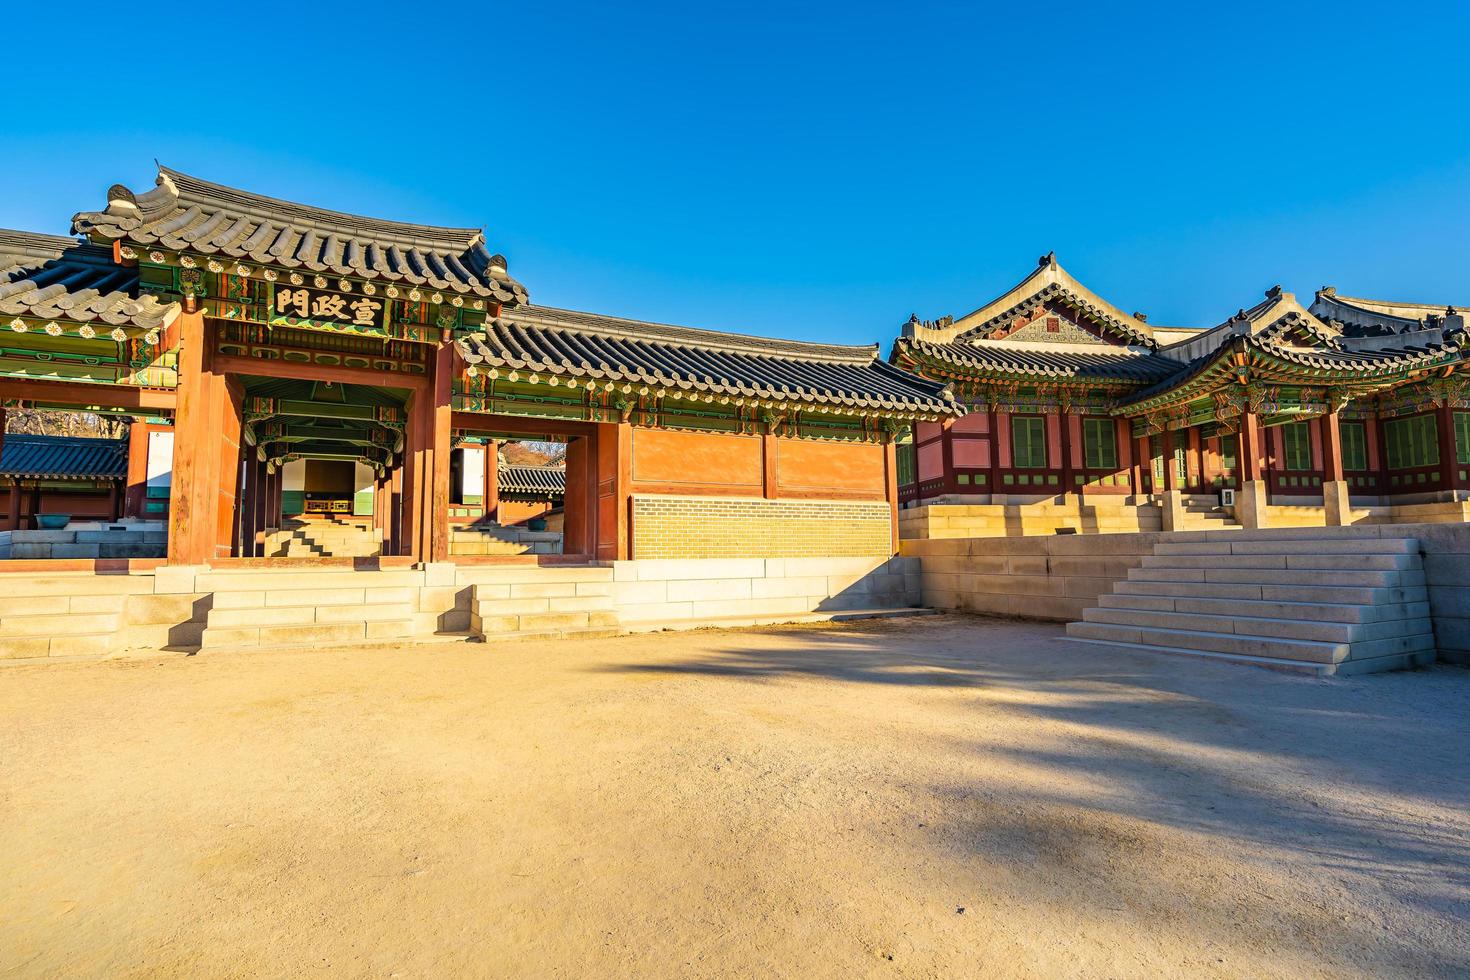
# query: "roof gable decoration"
(1049, 290)
(193, 223)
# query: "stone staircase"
(496, 539)
(326, 537)
(1321, 606)
(523, 602)
(80, 614)
(315, 607)
(1202, 512)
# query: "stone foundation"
(88, 539)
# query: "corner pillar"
(1336, 504)
(199, 420)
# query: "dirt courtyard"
(936, 797)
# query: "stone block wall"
(738, 527)
(1038, 577)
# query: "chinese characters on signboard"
(299, 303)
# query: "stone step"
(308, 579)
(15, 585)
(527, 622)
(1330, 612)
(1251, 646)
(265, 616)
(62, 624)
(1279, 576)
(1343, 562)
(304, 634)
(1357, 665)
(532, 574)
(1360, 595)
(1275, 628)
(68, 645)
(1326, 546)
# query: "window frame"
(1037, 424)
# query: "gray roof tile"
(589, 346)
(51, 278)
(184, 213)
(59, 457)
(540, 480)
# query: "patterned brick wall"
(715, 527)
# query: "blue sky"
(816, 171)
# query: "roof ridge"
(52, 245)
(183, 184)
(745, 343)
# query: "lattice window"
(1028, 442)
(1412, 442)
(1354, 438)
(1296, 445)
(1462, 437)
(1100, 444)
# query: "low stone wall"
(88, 539)
(77, 614)
(647, 591)
(1056, 578)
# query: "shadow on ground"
(1345, 801)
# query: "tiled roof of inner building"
(549, 480)
(1060, 362)
(188, 214)
(585, 345)
(51, 278)
(1365, 364)
(61, 457)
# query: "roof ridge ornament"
(1050, 258)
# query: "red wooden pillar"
(997, 420)
(946, 441)
(435, 545)
(1444, 421)
(614, 465)
(1171, 471)
(579, 506)
(2, 432)
(231, 470)
(770, 477)
(492, 481)
(890, 484)
(114, 500)
(199, 419)
(1249, 454)
(1331, 428)
(135, 499)
(12, 518)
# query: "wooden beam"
(83, 395)
(292, 370)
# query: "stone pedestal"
(1172, 502)
(1250, 504)
(1335, 503)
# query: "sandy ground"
(941, 797)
